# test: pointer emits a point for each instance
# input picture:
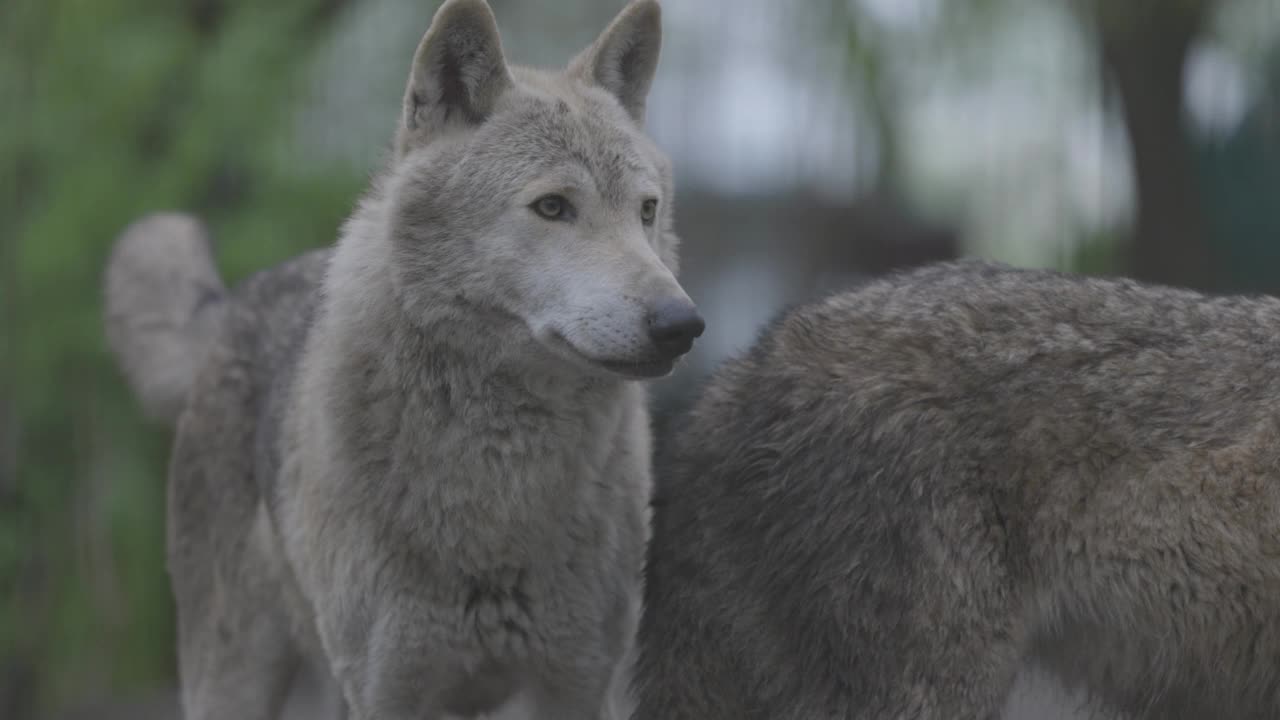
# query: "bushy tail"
(164, 301)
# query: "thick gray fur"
(905, 492)
(423, 457)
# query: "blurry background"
(817, 142)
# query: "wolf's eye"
(552, 207)
(649, 211)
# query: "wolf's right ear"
(625, 56)
(458, 73)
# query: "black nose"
(673, 325)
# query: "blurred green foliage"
(114, 108)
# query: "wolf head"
(537, 194)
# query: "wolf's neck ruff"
(459, 409)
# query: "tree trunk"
(1144, 46)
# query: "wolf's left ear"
(623, 59)
(458, 72)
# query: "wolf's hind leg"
(236, 654)
(236, 662)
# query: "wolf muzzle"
(673, 326)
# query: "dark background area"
(817, 143)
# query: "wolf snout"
(673, 326)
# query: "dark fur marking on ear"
(418, 101)
(454, 94)
(631, 61)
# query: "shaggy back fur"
(902, 493)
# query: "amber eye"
(551, 207)
(649, 211)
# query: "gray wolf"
(906, 492)
(424, 456)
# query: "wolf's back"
(163, 302)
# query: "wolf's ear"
(623, 59)
(458, 72)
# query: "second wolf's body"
(422, 457)
(903, 493)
